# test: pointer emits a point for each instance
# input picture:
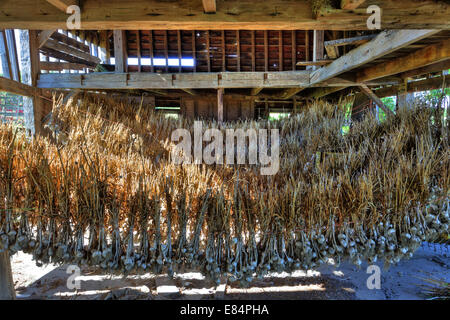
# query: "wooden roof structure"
(291, 50)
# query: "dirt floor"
(328, 282)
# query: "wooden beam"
(44, 35)
(12, 53)
(62, 4)
(220, 105)
(238, 15)
(322, 92)
(350, 41)
(16, 87)
(7, 291)
(59, 66)
(366, 90)
(415, 86)
(351, 4)
(120, 51)
(62, 47)
(4, 55)
(213, 80)
(209, 6)
(432, 68)
(289, 93)
(420, 58)
(385, 43)
(38, 103)
(256, 91)
(321, 62)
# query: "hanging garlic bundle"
(106, 194)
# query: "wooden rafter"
(120, 52)
(16, 87)
(44, 35)
(385, 43)
(417, 59)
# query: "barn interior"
(224, 61)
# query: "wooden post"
(120, 51)
(405, 100)
(318, 46)
(38, 103)
(220, 105)
(7, 291)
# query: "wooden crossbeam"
(351, 4)
(59, 66)
(385, 43)
(256, 91)
(16, 87)
(213, 80)
(366, 90)
(289, 93)
(417, 59)
(414, 86)
(62, 4)
(64, 48)
(237, 15)
(435, 67)
(209, 6)
(44, 35)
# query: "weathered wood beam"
(209, 6)
(59, 66)
(415, 86)
(12, 53)
(322, 62)
(44, 35)
(432, 68)
(350, 41)
(385, 43)
(322, 92)
(64, 48)
(289, 93)
(120, 51)
(220, 105)
(417, 59)
(366, 90)
(62, 4)
(239, 15)
(16, 87)
(351, 4)
(4, 55)
(106, 80)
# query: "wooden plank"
(166, 51)
(44, 35)
(385, 43)
(435, 67)
(209, 6)
(59, 66)
(106, 80)
(223, 51)
(15, 87)
(293, 49)
(350, 41)
(179, 49)
(73, 42)
(7, 291)
(38, 103)
(318, 48)
(307, 45)
(366, 90)
(62, 4)
(63, 56)
(138, 45)
(208, 54)
(120, 51)
(420, 58)
(238, 48)
(415, 86)
(266, 51)
(220, 105)
(321, 62)
(280, 50)
(62, 47)
(351, 4)
(240, 14)
(253, 50)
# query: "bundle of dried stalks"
(105, 193)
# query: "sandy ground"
(328, 282)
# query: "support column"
(7, 291)
(405, 100)
(120, 51)
(220, 105)
(318, 48)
